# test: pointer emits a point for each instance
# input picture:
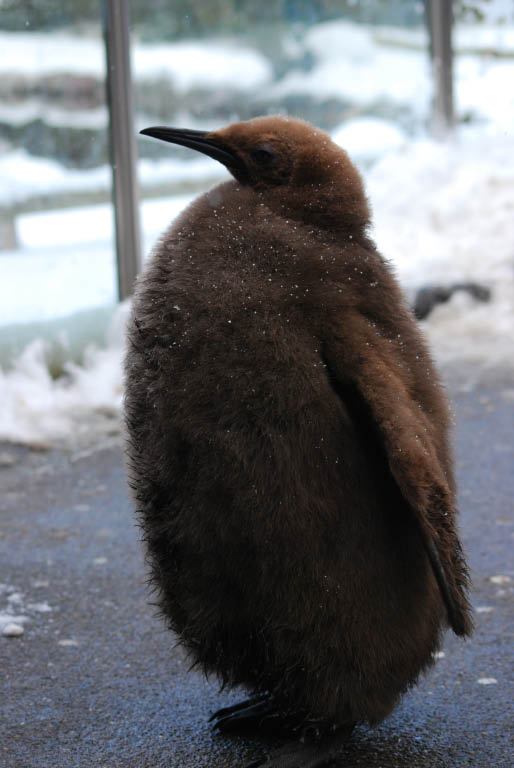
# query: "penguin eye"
(263, 156)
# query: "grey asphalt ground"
(96, 680)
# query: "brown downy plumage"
(288, 442)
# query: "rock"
(427, 298)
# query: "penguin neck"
(334, 208)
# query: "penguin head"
(265, 151)
(288, 159)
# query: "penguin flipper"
(374, 379)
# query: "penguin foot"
(259, 712)
(306, 755)
(237, 707)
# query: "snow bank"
(445, 213)
(37, 409)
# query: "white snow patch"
(36, 407)
(484, 609)
(67, 643)
(36, 53)
(7, 617)
(13, 614)
(443, 213)
(500, 579)
(487, 680)
(12, 630)
(39, 607)
(368, 138)
(191, 64)
(484, 90)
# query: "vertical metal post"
(122, 143)
(440, 19)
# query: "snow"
(484, 90)
(500, 579)
(349, 64)
(37, 408)
(209, 65)
(368, 138)
(443, 212)
(187, 64)
(13, 616)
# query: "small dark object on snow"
(427, 298)
(288, 444)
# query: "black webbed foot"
(302, 754)
(259, 712)
(224, 711)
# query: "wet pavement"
(95, 680)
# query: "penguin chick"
(288, 444)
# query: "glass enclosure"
(56, 233)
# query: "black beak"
(197, 140)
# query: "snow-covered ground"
(443, 212)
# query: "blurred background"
(441, 190)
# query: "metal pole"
(439, 19)
(122, 143)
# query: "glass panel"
(356, 69)
(56, 238)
